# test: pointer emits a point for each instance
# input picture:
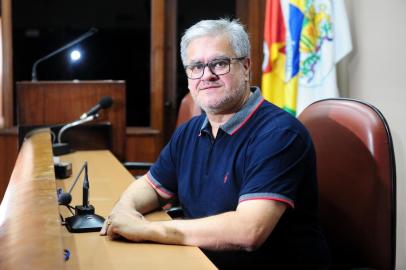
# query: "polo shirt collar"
(241, 117)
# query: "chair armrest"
(175, 212)
(130, 165)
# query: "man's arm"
(246, 228)
(139, 198)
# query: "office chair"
(357, 182)
(187, 110)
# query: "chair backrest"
(357, 182)
(187, 109)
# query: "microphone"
(65, 198)
(60, 148)
(104, 103)
(82, 37)
(85, 193)
(84, 219)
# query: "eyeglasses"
(217, 67)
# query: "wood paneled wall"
(7, 64)
(143, 144)
(252, 14)
(8, 156)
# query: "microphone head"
(64, 198)
(105, 102)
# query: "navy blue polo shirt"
(261, 153)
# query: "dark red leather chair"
(357, 182)
(187, 109)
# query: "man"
(244, 172)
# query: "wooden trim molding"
(157, 62)
(252, 15)
(7, 65)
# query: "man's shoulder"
(275, 118)
(272, 125)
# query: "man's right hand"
(115, 218)
(138, 198)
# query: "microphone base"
(60, 149)
(84, 220)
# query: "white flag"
(325, 40)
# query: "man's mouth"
(206, 87)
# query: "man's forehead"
(208, 48)
(208, 59)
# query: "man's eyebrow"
(195, 62)
(222, 57)
(218, 57)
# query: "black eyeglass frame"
(210, 68)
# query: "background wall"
(376, 72)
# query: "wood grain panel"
(8, 156)
(143, 144)
(30, 231)
(56, 102)
(252, 15)
(7, 63)
(158, 33)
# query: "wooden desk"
(108, 179)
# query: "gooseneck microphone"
(65, 198)
(73, 124)
(60, 148)
(84, 219)
(104, 103)
(85, 193)
(82, 37)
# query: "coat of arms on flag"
(303, 41)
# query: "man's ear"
(247, 68)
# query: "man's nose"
(208, 74)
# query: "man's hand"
(118, 211)
(138, 196)
(128, 224)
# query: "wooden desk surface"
(108, 179)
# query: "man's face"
(217, 94)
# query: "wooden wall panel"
(252, 15)
(157, 63)
(8, 156)
(171, 56)
(143, 144)
(7, 65)
(57, 102)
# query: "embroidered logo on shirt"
(225, 178)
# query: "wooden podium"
(59, 102)
(31, 236)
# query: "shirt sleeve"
(275, 166)
(162, 175)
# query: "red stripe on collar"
(248, 117)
